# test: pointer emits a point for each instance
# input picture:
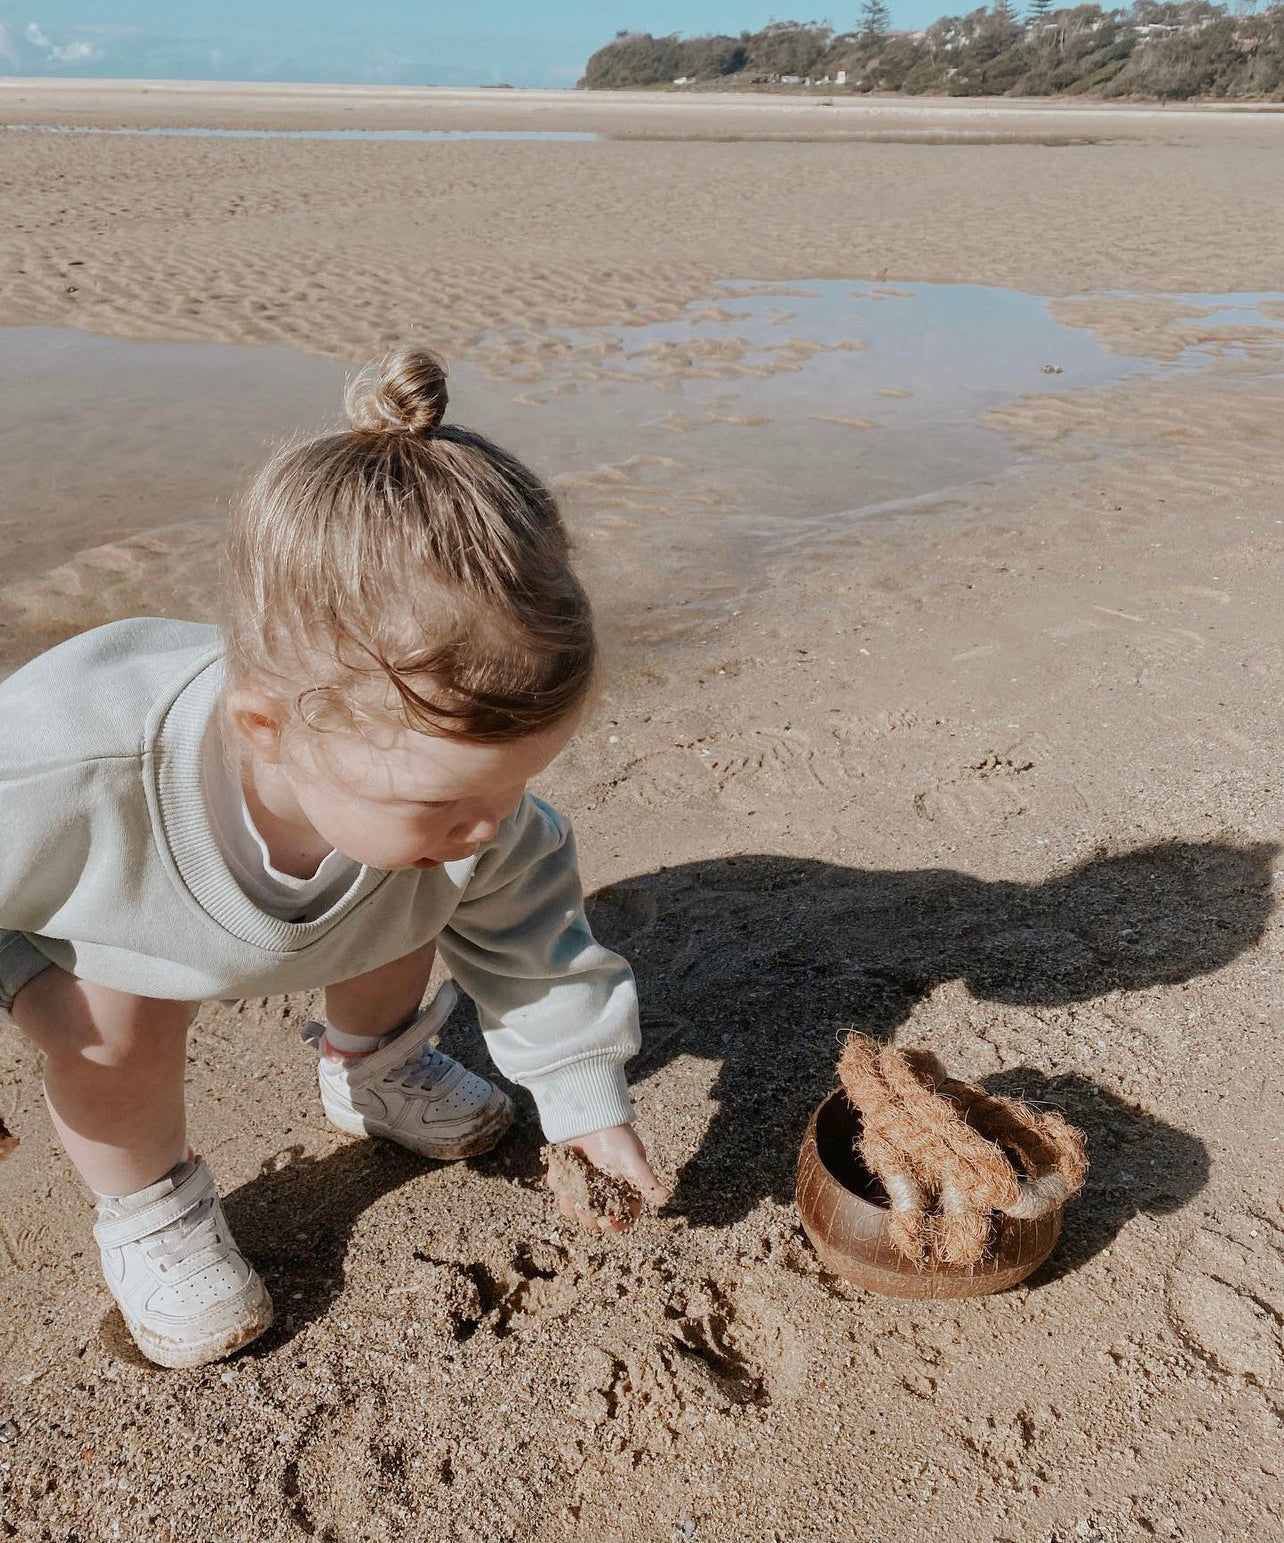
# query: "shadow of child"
(758, 964)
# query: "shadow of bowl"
(844, 1212)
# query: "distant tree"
(787, 47)
(1151, 48)
(875, 19)
(705, 58)
(1176, 13)
(634, 59)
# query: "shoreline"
(312, 104)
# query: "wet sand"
(997, 774)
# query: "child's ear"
(258, 719)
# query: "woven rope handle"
(1038, 1197)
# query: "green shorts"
(20, 961)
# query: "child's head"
(406, 640)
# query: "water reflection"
(687, 452)
(384, 134)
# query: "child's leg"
(113, 1077)
(114, 1084)
(404, 1090)
(382, 999)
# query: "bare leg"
(382, 999)
(113, 1077)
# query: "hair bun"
(404, 392)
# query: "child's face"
(393, 798)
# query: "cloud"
(75, 52)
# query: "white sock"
(363, 1044)
(351, 1044)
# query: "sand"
(998, 775)
(589, 1189)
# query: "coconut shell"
(845, 1214)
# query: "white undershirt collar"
(246, 853)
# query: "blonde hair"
(414, 557)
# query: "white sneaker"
(185, 1290)
(410, 1093)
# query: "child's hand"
(615, 1150)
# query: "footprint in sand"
(1171, 645)
(1226, 1298)
(995, 789)
(747, 767)
(741, 767)
(1157, 645)
(966, 805)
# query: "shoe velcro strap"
(406, 1046)
(416, 1032)
(164, 1212)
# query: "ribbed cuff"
(581, 1097)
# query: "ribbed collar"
(175, 732)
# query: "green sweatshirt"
(109, 865)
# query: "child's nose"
(476, 830)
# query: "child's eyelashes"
(400, 800)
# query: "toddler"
(323, 794)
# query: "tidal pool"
(382, 134)
(829, 398)
(686, 452)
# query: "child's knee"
(66, 1016)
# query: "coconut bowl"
(844, 1212)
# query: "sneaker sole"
(448, 1149)
(217, 1346)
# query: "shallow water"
(685, 451)
(385, 134)
(838, 397)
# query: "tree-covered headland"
(1155, 49)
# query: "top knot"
(405, 392)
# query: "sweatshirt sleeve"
(558, 1010)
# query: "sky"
(379, 42)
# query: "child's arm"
(559, 1011)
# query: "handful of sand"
(7, 1142)
(588, 1188)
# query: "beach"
(958, 727)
